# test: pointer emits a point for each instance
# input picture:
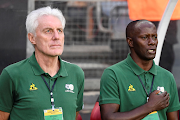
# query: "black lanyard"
(145, 88)
(51, 91)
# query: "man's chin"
(55, 54)
(151, 58)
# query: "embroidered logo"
(32, 87)
(69, 88)
(131, 88)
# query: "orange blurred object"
(151, 10)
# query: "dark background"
(12, 31)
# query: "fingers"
(156, 92)
(165, 98)
(164, 93)
(160, 100)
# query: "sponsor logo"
(32, 87)
(131, 88)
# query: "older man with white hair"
(36, 88)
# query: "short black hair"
(130, 29)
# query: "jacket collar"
(37, 70)
(137, 70)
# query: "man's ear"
(129, 41)
(31, 38)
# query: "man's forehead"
(49, 21)
(144, 25)
(49, 17)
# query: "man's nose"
(56, 35)
(152, 40)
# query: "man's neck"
(144, 64)
(48, 64)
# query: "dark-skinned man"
(136, 88)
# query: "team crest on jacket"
(69, 88)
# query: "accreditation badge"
(56, 114)
(152, 116)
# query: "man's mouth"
(55, 46)
(152, 51)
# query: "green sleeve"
(6, 92)
(109, 89)
(80, 91)
(174, 98)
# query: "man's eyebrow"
(52, 28)
(144, 34)
(60, 28)
(47, 28)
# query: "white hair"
(32, 18)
